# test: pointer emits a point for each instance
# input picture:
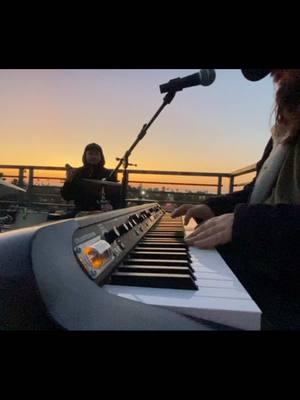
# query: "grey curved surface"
(21, 306)
(43, 287)
(77, 303)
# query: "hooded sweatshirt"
(84, 196)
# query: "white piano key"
(226, 310)
(212, 276)
(210, 283)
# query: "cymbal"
(8, 188)
(85, 213)
(98, 182)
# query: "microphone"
(204, 77)
(255, 74)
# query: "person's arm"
(68, 191)
(76, 189)
(226, 203)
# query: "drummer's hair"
(94, 146)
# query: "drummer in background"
(85, 197)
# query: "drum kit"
(94, 183)
(99, 183)
(7, 188)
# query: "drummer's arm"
(69, 190)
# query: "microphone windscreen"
(208, 76)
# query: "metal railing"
(240, 172)
(20, 178)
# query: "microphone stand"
(125, 159)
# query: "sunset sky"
(48, 116)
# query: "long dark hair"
(287, 104)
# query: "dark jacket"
(86, 198)
(227, 203)
(265, 251)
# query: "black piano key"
(143, 261)
(158, 230)
(166, 228)
(157, 248)
(156, 261)
(167, 281)
(162, 247)
(157, 243)
(164, 243)
(156, 269)
(163, 240)
(159, 255)
(168, 225)
(151, 234)
(159, 262)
